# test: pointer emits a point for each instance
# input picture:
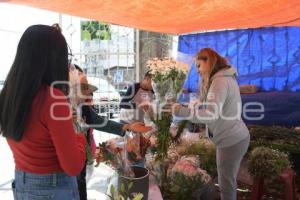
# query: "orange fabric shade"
(179, 16)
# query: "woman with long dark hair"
(36, 118)
(221, 112)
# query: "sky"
(14, 20)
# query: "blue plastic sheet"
(267, 57)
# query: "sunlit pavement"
(7, 168)
(97, 177)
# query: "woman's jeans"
(56, 186)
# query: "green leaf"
(130, 185)
(112, 190)
(122, 188)
(138, 196)
(85, 35)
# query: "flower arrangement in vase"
(120, 154)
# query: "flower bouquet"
(133, 181)
(119, 154)
(184, 178)
(168, 76)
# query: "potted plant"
(267, 162)
(277, 137)
(266, 165)
(206, 151)
(139, 184)
(185, 179)
(131, 179)
(123, 193)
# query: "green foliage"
(153, 150)
(266, 162)
(107, 156)
(112, 189)
(163, 136)
(123, 188)
(288, 148)
(131, 155)
(178, 78)
(181, 126)
(180, 186)
(95, 30)
(207, 154)
(123, 194)
(89, 154)
(130, 185)
(138, 196)
(275, 137)
(158, 77)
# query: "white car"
(106, 99)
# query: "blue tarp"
(192, 80)
(267, 57)
(280, 108)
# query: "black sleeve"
(130, 93)
(101, 123)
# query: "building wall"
(153, 45)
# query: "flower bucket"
(140, 183)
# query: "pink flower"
(185, 167)
(153, 141)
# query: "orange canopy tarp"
(179, 16)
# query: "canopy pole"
(137, 55)
(60, 20)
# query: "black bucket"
(140, 184)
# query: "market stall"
(187, 169)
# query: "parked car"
(106, 98)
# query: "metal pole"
(60, 20)
(137, 55)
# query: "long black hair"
(41, 59)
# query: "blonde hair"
(215, 63)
